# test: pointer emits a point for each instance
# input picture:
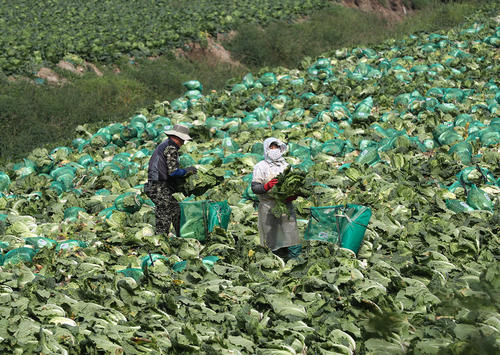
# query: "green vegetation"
(408, 128)
(36, 32)
(335, 27)
(41, 115)
(45, 115)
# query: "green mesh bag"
(282, 125)
(66, 181)
(107, 212)
(57, 187)
(363, 109)
(458, 206)
(228, 145)
(447, 108)
(70, 244)
(295, 114)
(476, 175)
(333, 147)
(248, 80)
(232, 157)
(268, 79)
(135, 273)
(139, 120)
(344, 225)
(199, 218)
(25, 168)
(257, 125)
(129, 202)
(463, 150)
(64, 170)
(71, 214)
(128, 132)
(179, 105)
(339, 111)
(4, 181)
(193, 94)
(219, 214)
(77, 142)
(257, 148)
(194, 219)
(368, 156)
(479, 200)
(160, 122)
(179, 266)
(149, 260)
(186, 160)
(115, 128)
(209, 261)
(40, 242)
(86, 160)
(462, 119)
(493, 41)
(19, 255)
(100, 139)
(193, 85)
(249, 195)
(453, 95)
(489, 138)
(449, 137)
(238, 88)
(206, 160)
(299, 151)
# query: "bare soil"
(211, 52)
(392, 10)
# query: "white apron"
(275, 233)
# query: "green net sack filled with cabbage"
(344, 225)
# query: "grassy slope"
(36, 115)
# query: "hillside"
(408, 128)
(42, 103)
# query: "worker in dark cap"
(165, 178)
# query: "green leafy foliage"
(291, 183)
(205, 179)
(105, 30)
(425, 279)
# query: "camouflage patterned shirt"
(164, 161)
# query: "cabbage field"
(408, 128)
(39, 32)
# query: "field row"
(36, 32)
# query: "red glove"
(291, 198)
(268, 185)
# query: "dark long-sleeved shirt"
(164, 164)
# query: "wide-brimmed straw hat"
(179, 131)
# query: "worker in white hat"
(165, 177)
(279, 234)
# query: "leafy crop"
(34, 32)
(204, 180)
(409, 129)
(291, 183)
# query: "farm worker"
(279, 234)
(165, 177)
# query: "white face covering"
(274, 154)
